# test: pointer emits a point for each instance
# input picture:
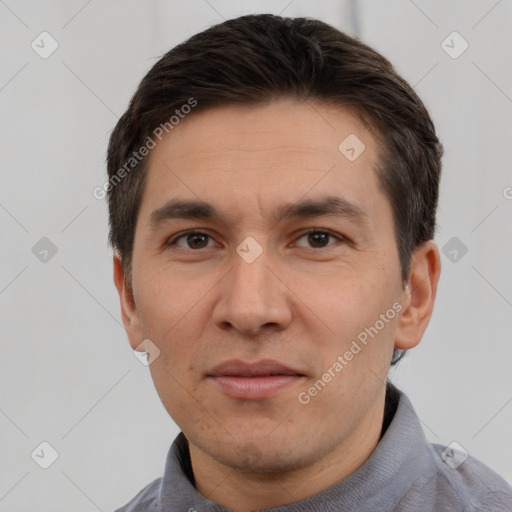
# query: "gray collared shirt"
(405, 473)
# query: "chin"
(261, 458)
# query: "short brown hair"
(255, 59)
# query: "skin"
(299, 303)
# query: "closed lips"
(264, 368)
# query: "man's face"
(253, 285)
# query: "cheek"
(361, 316)
(174, 390)
(163, 300)
(344, 302)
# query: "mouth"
(254, 381)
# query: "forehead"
(253, 157)
(300, 125)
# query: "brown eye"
(192, 240)
(318, 239)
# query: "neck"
(249, 491)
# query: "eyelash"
(172, 241)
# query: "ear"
(419, 295)
(130, 315)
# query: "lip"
(254, 381)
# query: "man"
(272, 195)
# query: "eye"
(191, 240)
(318, 238)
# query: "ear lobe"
(419, 295)
(129, 313)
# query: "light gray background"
(68, 375)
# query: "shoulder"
(456, 482)
(147, 500)
(438, 478)
(466, 480)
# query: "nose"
(253, 297)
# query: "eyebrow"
(196, 209)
